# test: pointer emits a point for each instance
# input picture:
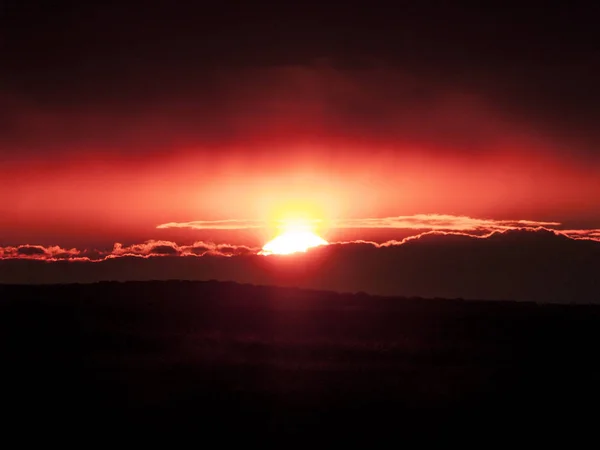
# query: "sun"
(292, 242)
(295, 237)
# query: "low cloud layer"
(526, 264)
(50, 253)
(145, 250)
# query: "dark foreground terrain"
(230, 360)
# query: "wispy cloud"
(233, 224)
(414, 222)
(421, 223)
(440, 222)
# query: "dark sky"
(541, 59)
(536, 64)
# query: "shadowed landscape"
(267, 362)
(396, 207)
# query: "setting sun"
(296, 236)
(292, 242)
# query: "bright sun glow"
(292, 242)
(296, 236)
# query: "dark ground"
(227, 360)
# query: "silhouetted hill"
(212, 357)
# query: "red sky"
(109, 131)
(97, 194)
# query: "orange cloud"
(417, 222)
(593, 234)
(147, 249)
(420, 222)
(28, 251)
(168, 248)
(233, 224)
(440, 222)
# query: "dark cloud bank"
(531, 265)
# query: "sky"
(123, 125)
